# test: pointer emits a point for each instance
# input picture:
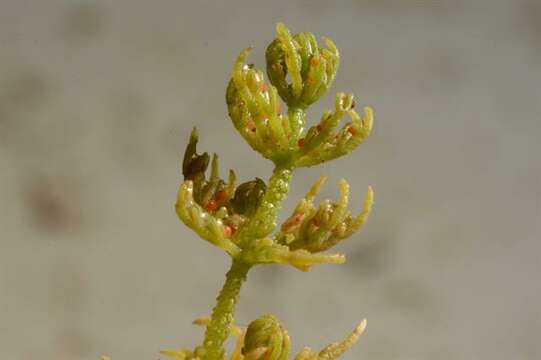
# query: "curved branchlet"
(206, 225)
(318, 229)
(267, 251)
(254, 108)
(311, 69)
(334, 350)
(323, 143)
(213, 208)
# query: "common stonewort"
(242, 219)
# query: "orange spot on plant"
(250, 125)
(228, 231)
(212, 205)
(220, 197)
(292, 222)
(301, 142)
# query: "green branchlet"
(266, 339)
(254, 108)
(312, 69)
(317, 229)
(241, 219)
(323, 143)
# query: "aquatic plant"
(241, 218)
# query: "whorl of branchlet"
(266, 339)
(311, 69)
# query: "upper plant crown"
(241, 218)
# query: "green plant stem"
(223, 313)
(264, 219)
(261, 225)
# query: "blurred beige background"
(96, 102)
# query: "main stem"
(262, 223)
(223, 313)
(263, 220)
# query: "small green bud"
(311, 69)
(266, 339)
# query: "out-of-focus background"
(97, 99)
